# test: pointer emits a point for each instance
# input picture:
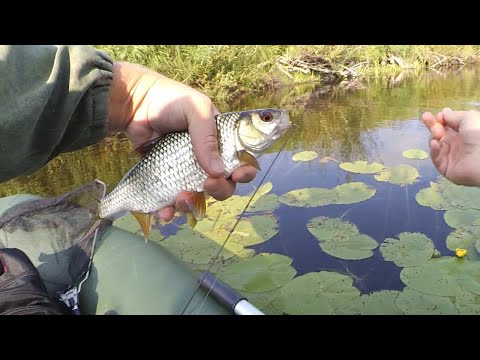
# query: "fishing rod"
(220, 291)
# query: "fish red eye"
(267, 117)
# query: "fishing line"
(233, 229)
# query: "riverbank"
(225, 72)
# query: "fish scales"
(168, 168)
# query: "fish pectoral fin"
(197, 204)
(248, 158)
(145, 221)
(143, 149)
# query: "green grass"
(226, 71)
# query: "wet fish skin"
(171, 166)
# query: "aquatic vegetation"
(375, 303)
(459, 218)
(361, 167)
(465, 238)
(415, 154)
(413, 302)
(444, 276)
(410, 249)
(316, 293)
(263, 272)
(259, 278)
(467, 303)
(341, 239)
(305, 156)
(348, 193)
(445, 195)
(398, 175)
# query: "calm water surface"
(375, 123)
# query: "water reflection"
(374, 123)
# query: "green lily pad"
(130, 224)
(413, 302)
(410, 249)
(362, 167)
(443, 276)
(270, 309)
(249, 230)
(235, 205)
(341, 239)
(196, 248)
(199, 246)
(467, 303)
(415, 154)
(309, 197)
(446, 195)
(398, 175)
(353, 192)
(376, 303)
(465, 238)
(263, 272)
(304, 156)
(458, 218)
(268, 202)
(429, 197)
(261, 299)
(318, 293)
(348, 193)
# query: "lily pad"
(249, 231)
(235, 205)
(464, 238)
(309, 197)
(458, 218)
(270, 309)
(398, 175)
(431, 198)
(413, 302)
(415, 154)
(410, 249)
(318, 293)
(304, 156)
(353, 192)
(261, 299)
(341, 239)
(268, 202)
(467, 303)
(376, 303)
(361, 167)
(443, 276)
(263, 272)
(349, 193)
(446, 195)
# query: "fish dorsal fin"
(143, 149)
(248, 158)
(144, 220)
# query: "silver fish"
(170, 166)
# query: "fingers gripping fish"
(169, 166)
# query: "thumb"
(453, 119)
(203, 131)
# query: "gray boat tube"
(226, 296)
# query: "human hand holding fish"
(146, 105)
(188, 148)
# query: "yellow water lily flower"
(460, 252)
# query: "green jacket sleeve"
(53, 99)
